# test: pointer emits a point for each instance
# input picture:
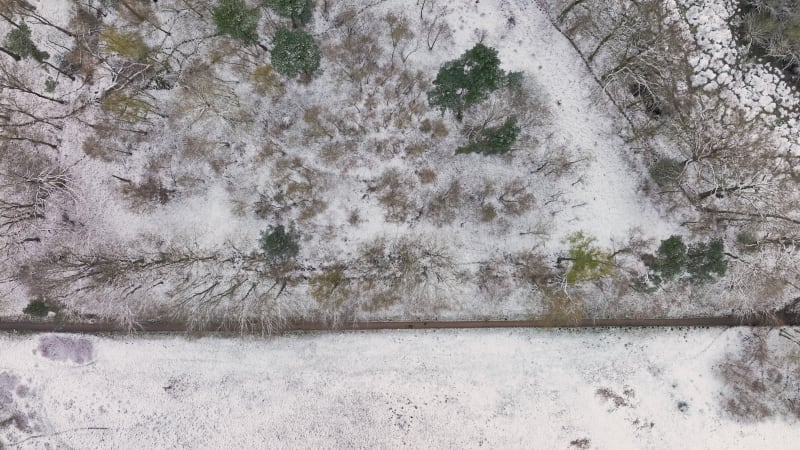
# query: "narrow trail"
(773, 320)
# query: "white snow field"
(599, 389)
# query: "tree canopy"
(298, 10)
(279, 245)
(295, 53)
(674, 259)
(234, 19)
(589, 262)
(467, 80)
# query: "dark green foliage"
(666, 172)
(670, 260)
(295, 53)
(494, 140)
(279, 245)
(19, 41)
(673, 259)
(37, 308)
(467, 80)
(705, 259)
(297, 10)
(234, 19)
(514, 80)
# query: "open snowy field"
(601, 389)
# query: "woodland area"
(262, 161)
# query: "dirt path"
(98, 327)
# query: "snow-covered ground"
(603, 389)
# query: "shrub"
(234, 19)
(493, 140)
(37, 308)
(589, 262)
(295, 53)
(266, 80)
(279, 245)
(562, 309)
(330, 288)
(426, 176)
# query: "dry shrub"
(416, 148)
(131, 108)
(197, 149)
(294, 185)
(413, 270)
(267, 151)
(515, 198)
(147, 192)
(136, 12)
(444, 205)
(354, 218)
(393, 190)
(317, 129)
(493, 279)
(487, 213)
(202, 92)
(330, 288)
(267, 82)
(312, 209)
(581, 443)
(381, 300)
(81, 58)
(354, 45)
(762, 380)
(426, 176)
(426, 126)
(104, 150)
(616, 399)
(562, 307)
(439, 130)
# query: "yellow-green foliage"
(331, 287)
(126, 108)
(266, 80)
(589, 262)
(125, 44)
(561, 308)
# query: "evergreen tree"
(705, 259)
(19, 41)
(298, 10)
(467, 80)
(279, 245)
(234, 19)
(295, 52)
(36, 308)
(494, 140)
(670, 259)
